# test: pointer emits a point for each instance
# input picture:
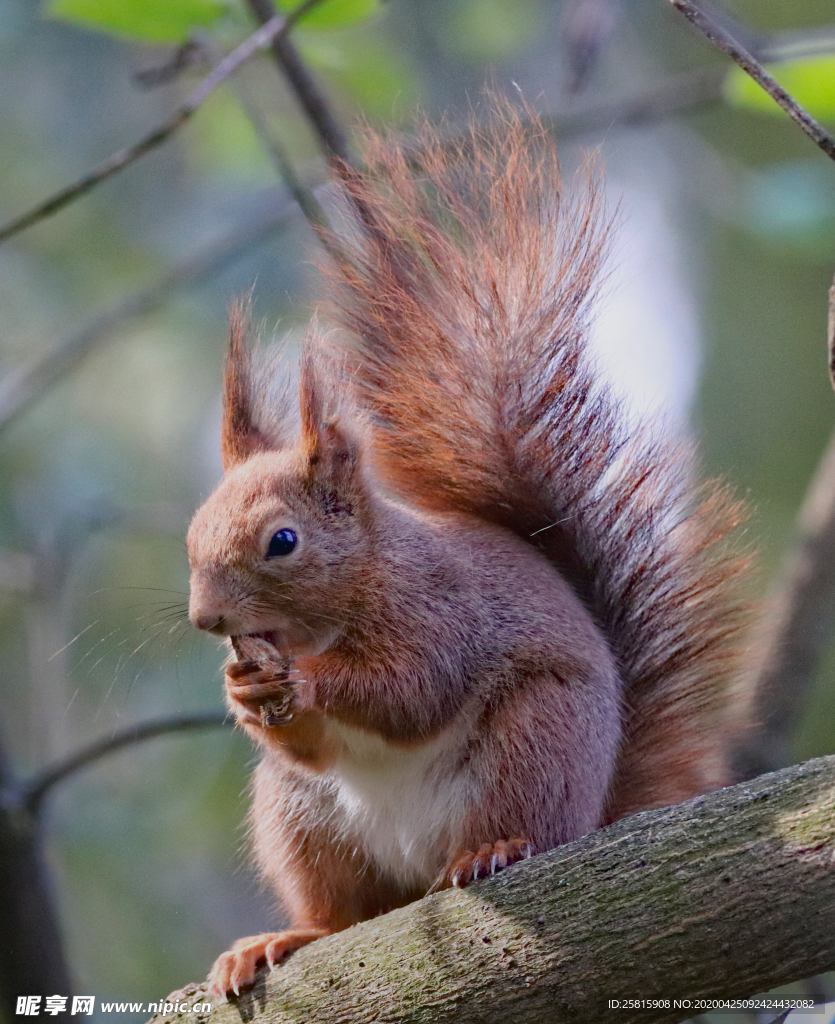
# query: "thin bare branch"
(321, 117)
(717, 34)
(24, 386)
(276, 27)
(304, 196)
(184, 57)
(21, 388)
(34, 793)
(310, 96)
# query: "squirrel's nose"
(209, 606)
(209, 621)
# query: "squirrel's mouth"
(271, 637)
(293, 639)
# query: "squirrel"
(475, 612)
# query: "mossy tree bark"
(724, 896)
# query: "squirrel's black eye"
(282, 543)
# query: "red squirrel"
(475, 613)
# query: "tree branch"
(310, 96)
(276, 28)
(304, 196)
(717, 34)
(22, 387)
(33, 794)
(724, 896)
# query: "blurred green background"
(99, 477)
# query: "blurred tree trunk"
(31, 953)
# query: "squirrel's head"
(279, 549)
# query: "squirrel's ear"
(332, 451)
(240, 437)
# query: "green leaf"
(811, 82)
(154, 21)
(335, 13)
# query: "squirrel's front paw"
(236, 968)
(260, 695)
(467, 866)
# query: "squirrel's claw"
(236, 969)
(236, 669)
(489, 859)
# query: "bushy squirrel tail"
(468, 291)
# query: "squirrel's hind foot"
(490, 858)
(236, 968)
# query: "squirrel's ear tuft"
(332, 450)
(240, 437)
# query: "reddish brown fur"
(508, 621)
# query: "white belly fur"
(398, 807)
